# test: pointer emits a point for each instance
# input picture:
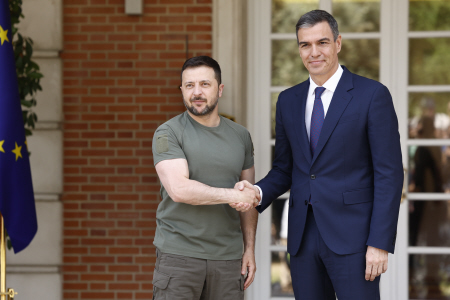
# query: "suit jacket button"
(313, 176)
(306, 202)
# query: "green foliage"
(287, 66)
(28, 75)
(429, 15)
(361, 56)
(357, 16)
(429, 61)
(285, 14)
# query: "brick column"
(121, 76)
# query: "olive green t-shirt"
(216, 157)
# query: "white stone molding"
(229, 49)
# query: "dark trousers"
(320, 274)
(179, 277)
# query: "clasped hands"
(247, 196)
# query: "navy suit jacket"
(354, 179)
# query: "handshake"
(247, 196)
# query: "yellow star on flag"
(17, 152)
(3, 35)
(1, 146)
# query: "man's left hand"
(376, 262)
(248, 262)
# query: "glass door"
(405, 44)
(428, 150)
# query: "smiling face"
(201, 91)
(319, 51)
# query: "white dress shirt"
(330, 86)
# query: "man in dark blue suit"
(338, 151)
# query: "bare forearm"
(249, 221)
(174, 176)
(196, 193)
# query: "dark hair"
(199, 61)
(314, 17)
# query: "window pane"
(429, 169)
(280, 210)
(273, 111)
(285, 13)
(428, 115)
(429, 276)
(429, 15)
(280, 276)
(287, 66)
(429, 223)
(357, 15)
(429, 61)
(361, 57)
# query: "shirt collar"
(330, 84)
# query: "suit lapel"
(338, 104)
(299, 114)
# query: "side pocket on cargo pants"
(160, 283)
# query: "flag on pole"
(16, 188)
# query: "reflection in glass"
(285, 13)
(429, 169)
(273, 111)
(429, 276)
(429, 61)
(429, 115)
(429, 15)
(361, 57)
(357, 15)
(429, 223)
(280, 275)
(287, 66)
(280, 209)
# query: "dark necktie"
(317, 117)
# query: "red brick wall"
(120, 82)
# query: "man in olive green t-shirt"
(205, 235)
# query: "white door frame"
(258, 99)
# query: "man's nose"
(315, 51)
(197, 90)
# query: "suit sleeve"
(279, 179)
(384, 140)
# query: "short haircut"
(199, 61)
(314, 17)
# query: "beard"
(206, 111)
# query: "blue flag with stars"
(16, 188)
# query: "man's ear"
(339, 43)
(221, 89)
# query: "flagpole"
(3, 294)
